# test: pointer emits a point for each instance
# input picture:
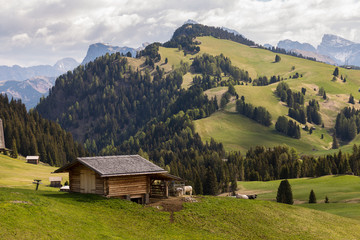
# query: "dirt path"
(171, 204)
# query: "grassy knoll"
(343, 193)
(238, 132)
(18, 173)
(26, 214)
(174, 56)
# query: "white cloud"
(21, 40)
(52, 29)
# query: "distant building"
(55, 181)
(2, 138)
(32, 159)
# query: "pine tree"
(197, 184)
(351, 99)
(312, 197)
(335, 144)
(14, 153)
(326, 199)
(233, 184)
(284, 193)
(336, 72)
(210, 184)
(277, 58)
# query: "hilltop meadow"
(239, 133)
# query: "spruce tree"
(233, 187)
(277, 58)
(284, 193)
(336, 72)
(198, 185)
(312, 197)
(14, 153)
(326, 199)
(335, 144)
(351, 99)
(210, 184)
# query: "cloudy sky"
(44, 31)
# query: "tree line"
(347, 124)
(258, 114)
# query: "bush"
(284, 193)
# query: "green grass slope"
(49, 214)
(26, 214)
(18, 173)
(343, 193)
(260, 62)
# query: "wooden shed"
(32, 159)
(55, 181)
(130, 177)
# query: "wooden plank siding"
(127, 185)
(78, 174)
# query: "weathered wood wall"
(76, 175)
(127, 185)
(32, 161)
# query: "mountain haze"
(332, 49)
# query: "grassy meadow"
(237, 133)
(18, 173)
(343, 193)
(50, 214)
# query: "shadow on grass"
(79, 197)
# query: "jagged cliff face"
(289, 45)
(100, 49)
(332, 49)
(341, 50)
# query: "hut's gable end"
(127, 185)
(2, 139)
(85, 180)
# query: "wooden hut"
(130, 177)
(55, 181)
(32, 159)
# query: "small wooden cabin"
(55, 181)
(130, 177)
(32, 159)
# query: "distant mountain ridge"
(100, 49)
(29, 91)
(332, 49)
(18, 73)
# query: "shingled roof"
(108, 166)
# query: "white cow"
(187, 189)
(242, 196)
(179, 191)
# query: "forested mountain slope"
(148, 105)
(27, 133)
